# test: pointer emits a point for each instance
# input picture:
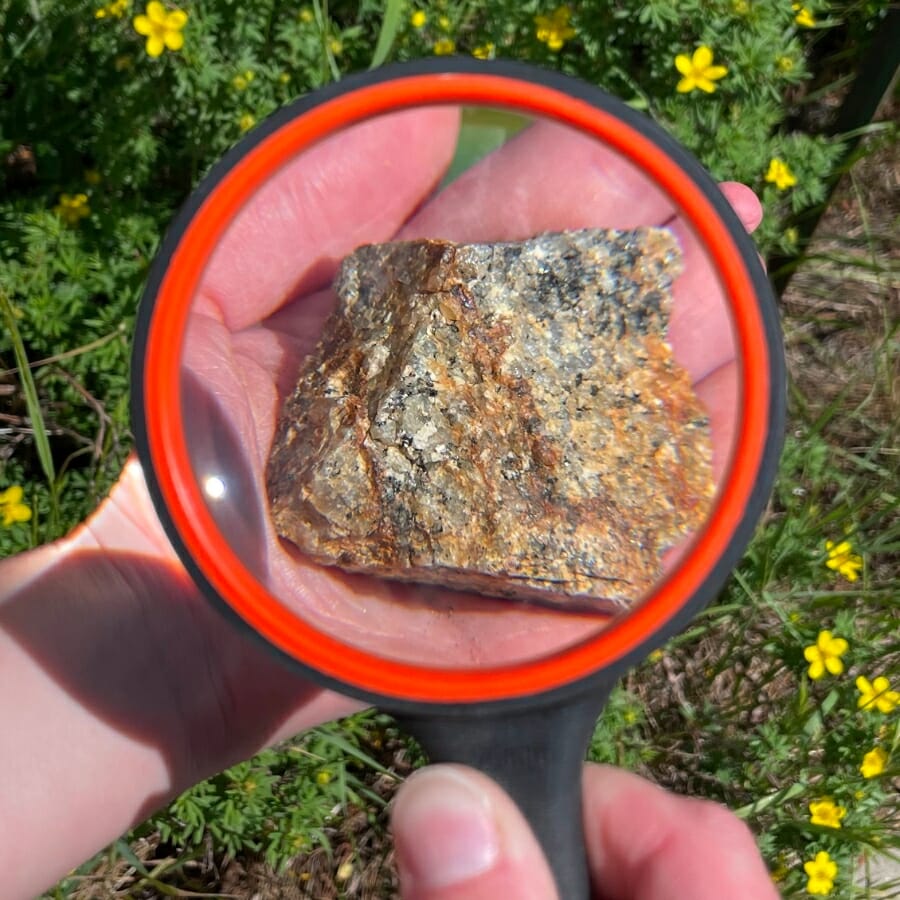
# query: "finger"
(718, 392)
(700, 328)
(355, 187)
(699, 323)
(647, 844)
(744, 202)
(458, 835)
(547, 178)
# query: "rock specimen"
(504, 418)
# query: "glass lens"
(503, 438)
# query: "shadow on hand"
(130, 640)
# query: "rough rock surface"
(504, 418)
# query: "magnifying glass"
(460, 384)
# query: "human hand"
(458, 835)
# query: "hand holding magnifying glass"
(79, 611)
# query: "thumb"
(457, 834)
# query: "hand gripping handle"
(536, 756)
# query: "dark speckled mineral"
(504, 418)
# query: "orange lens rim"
(163, 425)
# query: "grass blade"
(31, 398)
(390, 25)
(124, 850)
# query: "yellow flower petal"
(176, 19)
(716, 72)
(155, 45)
(156, 12)
(142, 25)
(703, 57)
(873, 763)
(683, 64)
(705, 84)
(174, 40)
(14, 494)
(686, 84)
(20, 513)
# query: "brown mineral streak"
(502, 418)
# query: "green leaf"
(125, 851)
(390, 24)
(31, 398)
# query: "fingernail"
(444, 830)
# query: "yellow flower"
(242, 81)
(444, 47)
(825, 812)
(554, 30)
(804, 18)
(114, 10)
(780, 175)
(841, 557)
(72, 208)
(741, 7)
(444, 23)
(877, 694)
(784, 64)
(306, 15)
(11, 506)
(161, 28)
(821, 871)
(418, 19)
(336, 47)
(484, 51)
(698, 71)
(345, 870)
(781, 870)
(284, 78)
(791, 235)
(824, 654)
(323, 777)
(246, 121)
(873, 763)
(656, 655)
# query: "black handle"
(536, 756)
